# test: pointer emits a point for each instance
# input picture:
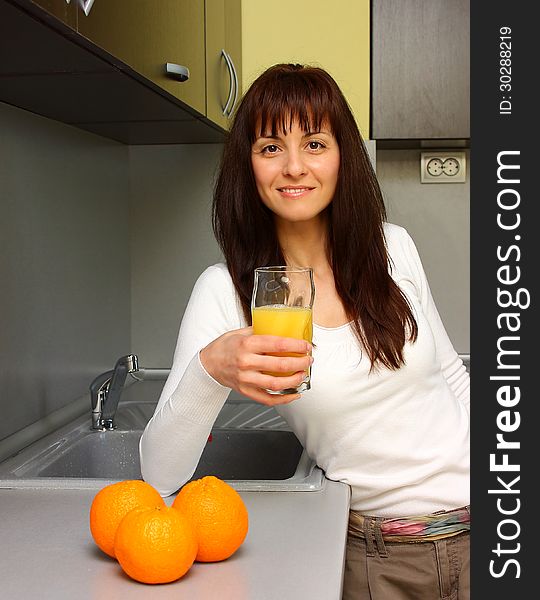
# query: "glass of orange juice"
(282, 304)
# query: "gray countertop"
(294, 549)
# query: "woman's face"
(296, 173)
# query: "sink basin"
(235, 454)
(99, 454)
(248, 458)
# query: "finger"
(272, 382)
(277, 384)
(261, 344)
(267, 399)
(279, 364)
(242, 331)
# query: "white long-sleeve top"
(400, 439)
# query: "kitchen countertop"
(294, 549)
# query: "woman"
(387, 412)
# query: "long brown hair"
(244, 226)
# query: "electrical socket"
(443, 167)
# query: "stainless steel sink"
(249, 448)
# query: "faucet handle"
(106, 388)
(111, 397)
(98, 388)
(131, 361)
(124, 365)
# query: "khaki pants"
(433, 570)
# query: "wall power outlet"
(443, 167)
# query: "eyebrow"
(306, 135)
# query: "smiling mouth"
(294, 192)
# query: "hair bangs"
(299, 101)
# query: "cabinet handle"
(233, 88)
(86, 5)
(231, 82)
(235, 75)
(178, 72)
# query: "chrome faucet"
(106, 389)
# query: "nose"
(294, 164)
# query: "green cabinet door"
(223, 59)
(146, 35)
(64, 10)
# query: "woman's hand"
(239, 360)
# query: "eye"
(314, 145)
(270, 149)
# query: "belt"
(435, 526)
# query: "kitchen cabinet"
(37, 48)
(103, 69)
(223, 59)
(146, 35)
(202, 36)
(65, 10)
(420, 69)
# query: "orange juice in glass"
(282, 305)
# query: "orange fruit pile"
(155, 543)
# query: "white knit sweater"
(400, 439)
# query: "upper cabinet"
(146, 35)
(65, 10)
(190, 49)
(139, 72)
(223, 59)
(420, 69)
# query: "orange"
(155, 545)
(112, 503)
(218, 514)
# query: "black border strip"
(504, 320)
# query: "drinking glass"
(282, 304)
